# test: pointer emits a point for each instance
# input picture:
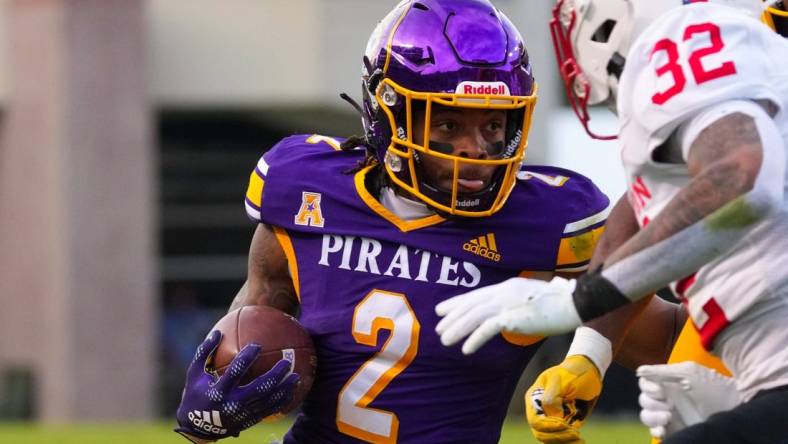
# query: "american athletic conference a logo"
(483, 246)
(310, 214)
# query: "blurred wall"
(5, 83)
(77, 258)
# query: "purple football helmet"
(451, 53)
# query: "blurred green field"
(597, 431)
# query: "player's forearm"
(739, 163)
(706, 194)
(613, 327)
(651, 337)
(620, 227)
(704, 219)
(639, 333)
(616, 325)
(625, 278)
(724, 161)
(739, 167)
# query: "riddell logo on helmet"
(483, 88)
(513, 144)
(468, 203)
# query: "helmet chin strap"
(466, 202)
(473, 201)
(615, 66)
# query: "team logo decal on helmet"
(463, 54)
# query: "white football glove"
(674, 396)
(518, 305)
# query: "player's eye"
(494, 126)
(446, 126)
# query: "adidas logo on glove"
(207, 421)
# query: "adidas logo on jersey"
(483, 246)
(207, 421)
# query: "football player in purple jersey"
(363, 236)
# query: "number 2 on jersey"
(699, 73)
(378, 310)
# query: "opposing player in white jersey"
(701, 89)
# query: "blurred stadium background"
(127, 132)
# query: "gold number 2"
(378, 310)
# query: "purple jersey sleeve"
(583, 211)
(282, 162)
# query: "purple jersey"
(368, 284)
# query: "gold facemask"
(402, 151)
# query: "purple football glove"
(214, 408)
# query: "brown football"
(280, 336)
